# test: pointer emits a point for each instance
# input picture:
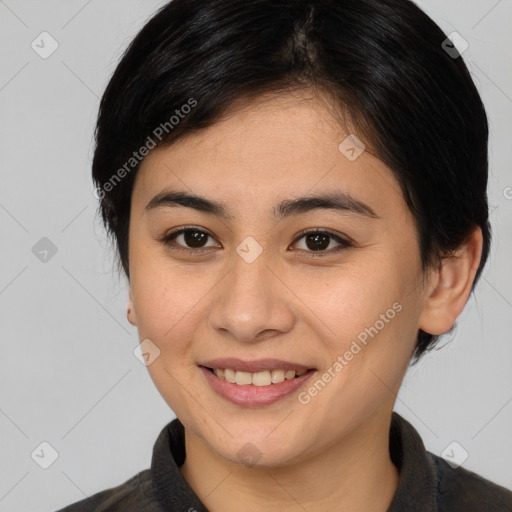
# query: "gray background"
(68, 375)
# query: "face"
(269, 285)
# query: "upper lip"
(258, 365)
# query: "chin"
(258, 444)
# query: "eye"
(317, 241)
(192, 240)
(189, 239)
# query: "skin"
(290, 304)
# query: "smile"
(268, 382)
(264, 378)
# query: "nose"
(251, 303)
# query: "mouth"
(262, 378)
(256, 383)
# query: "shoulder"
(461, 489)
(134, 495)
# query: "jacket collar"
(417, 484)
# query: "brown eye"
(194, 238)
(318, 241)
(187, 239)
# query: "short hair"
(408, 95)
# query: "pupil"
(319, 242)
(194, 238)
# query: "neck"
(356, 473)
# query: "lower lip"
(249, 395)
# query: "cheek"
(372, 331)
(367, 321)
(169, 299)
(348, 301)
(167, 304)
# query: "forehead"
(269, 149)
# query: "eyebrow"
(334, 200)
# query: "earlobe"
(130, 311)
(451, 286)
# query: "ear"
(450, 286)
(130, 312)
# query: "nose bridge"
(250, 299)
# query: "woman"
(297, 194)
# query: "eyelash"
(169, 237)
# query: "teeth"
(229, 375)
(277, 376)
(243, 378)
(289, 374)
(261, 379)
(265, 378)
